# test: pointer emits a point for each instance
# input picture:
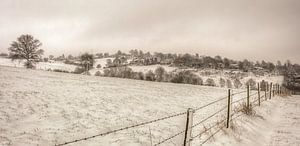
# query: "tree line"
(27, 47)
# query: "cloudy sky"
(238, 29)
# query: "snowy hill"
(205, 74)
(35, 109)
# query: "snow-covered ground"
(41, 65)
(47, 108)
(276, 123)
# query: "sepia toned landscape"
(149, 73)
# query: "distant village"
(196, 61)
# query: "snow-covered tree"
(26, 47)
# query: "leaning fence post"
(270, 90)
(228, 109)
(188, 128)
(258, 92)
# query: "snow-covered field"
(47, 108)
(40, 65)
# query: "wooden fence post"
(266, 91)
(188, 128)
(228, 109)
(258, 92)
(248, 97)
(280, 90)
(271, 90)
(276, 89)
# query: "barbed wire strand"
(192, 126)
(201, 107)
(238, 100)
(167, 139)
(121, 129)
(217, 131)
(210, 116)
(217, 123)
(238, 93)
(160, 119)
(253, 94)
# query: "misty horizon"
(254, 30)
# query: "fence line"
(279, 91)
(121, 129)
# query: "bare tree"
(159, 72)
(87, 61)
(26, 47)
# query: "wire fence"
(217, 126)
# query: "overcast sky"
(238, 29)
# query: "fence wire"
(179, 114)
(169, 138)
(218, 130)
(121, 129)
(201, 107)
(238, 93)
(209, 116)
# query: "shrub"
(120, 72)
(186, 77)
(196, 80)
(246, 110)
(87, 61)
(98, 73)
(107, 73)
(138, 75)
(237, 83)
(176, 78)
(150, 76)
(167, 77)
(210, 82)
(222, 82)
(125, 72)
(79, 70)
(98, 66)
(159, 73)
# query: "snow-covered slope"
(40, 65)
(276, 123)
(47, 108)
(216, 75)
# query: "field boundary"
(269, 90)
